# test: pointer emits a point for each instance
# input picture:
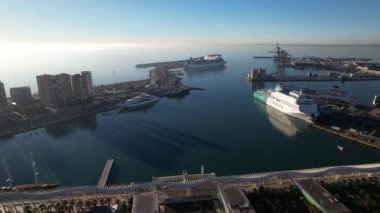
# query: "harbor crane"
(281, 57)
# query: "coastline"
(44, 124)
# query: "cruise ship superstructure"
(215, 60)
(293, 103)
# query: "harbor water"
(222, 127)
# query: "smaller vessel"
(376, 101)
(207, 61)
(340, 148)
(139, 102)
(28, 187)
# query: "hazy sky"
(245, 21)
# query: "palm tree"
(108, 201)
(102, 202)
(42, 207)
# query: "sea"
(222, 128)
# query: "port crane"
(281, 57)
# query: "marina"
(181, 131)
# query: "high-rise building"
(55, 89)
(77, 88)
(86, 84)
(21, 95)
(3, 96)
(82, 85)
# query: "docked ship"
(140, 101)
(334, 93)
(293, 103)
(208, 61)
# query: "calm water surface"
(222, 127)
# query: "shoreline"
(44, 124)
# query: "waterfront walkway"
(256, 178)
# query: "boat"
(293, 103)
(340, 148)
(207, 61)
(28, 187)
(139, 102)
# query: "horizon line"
(184, 42)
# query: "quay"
(368, 140)
(105, 174)
(314, 78)
(168, 64)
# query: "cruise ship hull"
(140, 105)
(267, 99)
(201, 66)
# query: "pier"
(368, 140)
(168, 64)
(106, 171)
(314, 78)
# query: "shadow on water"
(6, 137)
(114, 174)
(61, 129)
(179, 96)
(151, 143)
(179, 136)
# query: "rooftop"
(145, 202)
(235, 200)
(320, 196)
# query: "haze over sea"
(222, 128)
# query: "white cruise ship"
(215, 60)
(294, 103)
(139, 102)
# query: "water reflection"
(64, 128)
(204, 71)
(287, 125)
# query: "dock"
(105, 174)
(314, 78)
(368, 140)
(168, 64)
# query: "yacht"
(215, 60)
(139, 101)
(293, 103)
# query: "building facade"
(3, 96)
(55, 89)
(77, 88)
(82, 85)
(21, 95)
(87, 84)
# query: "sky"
(214, 21)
